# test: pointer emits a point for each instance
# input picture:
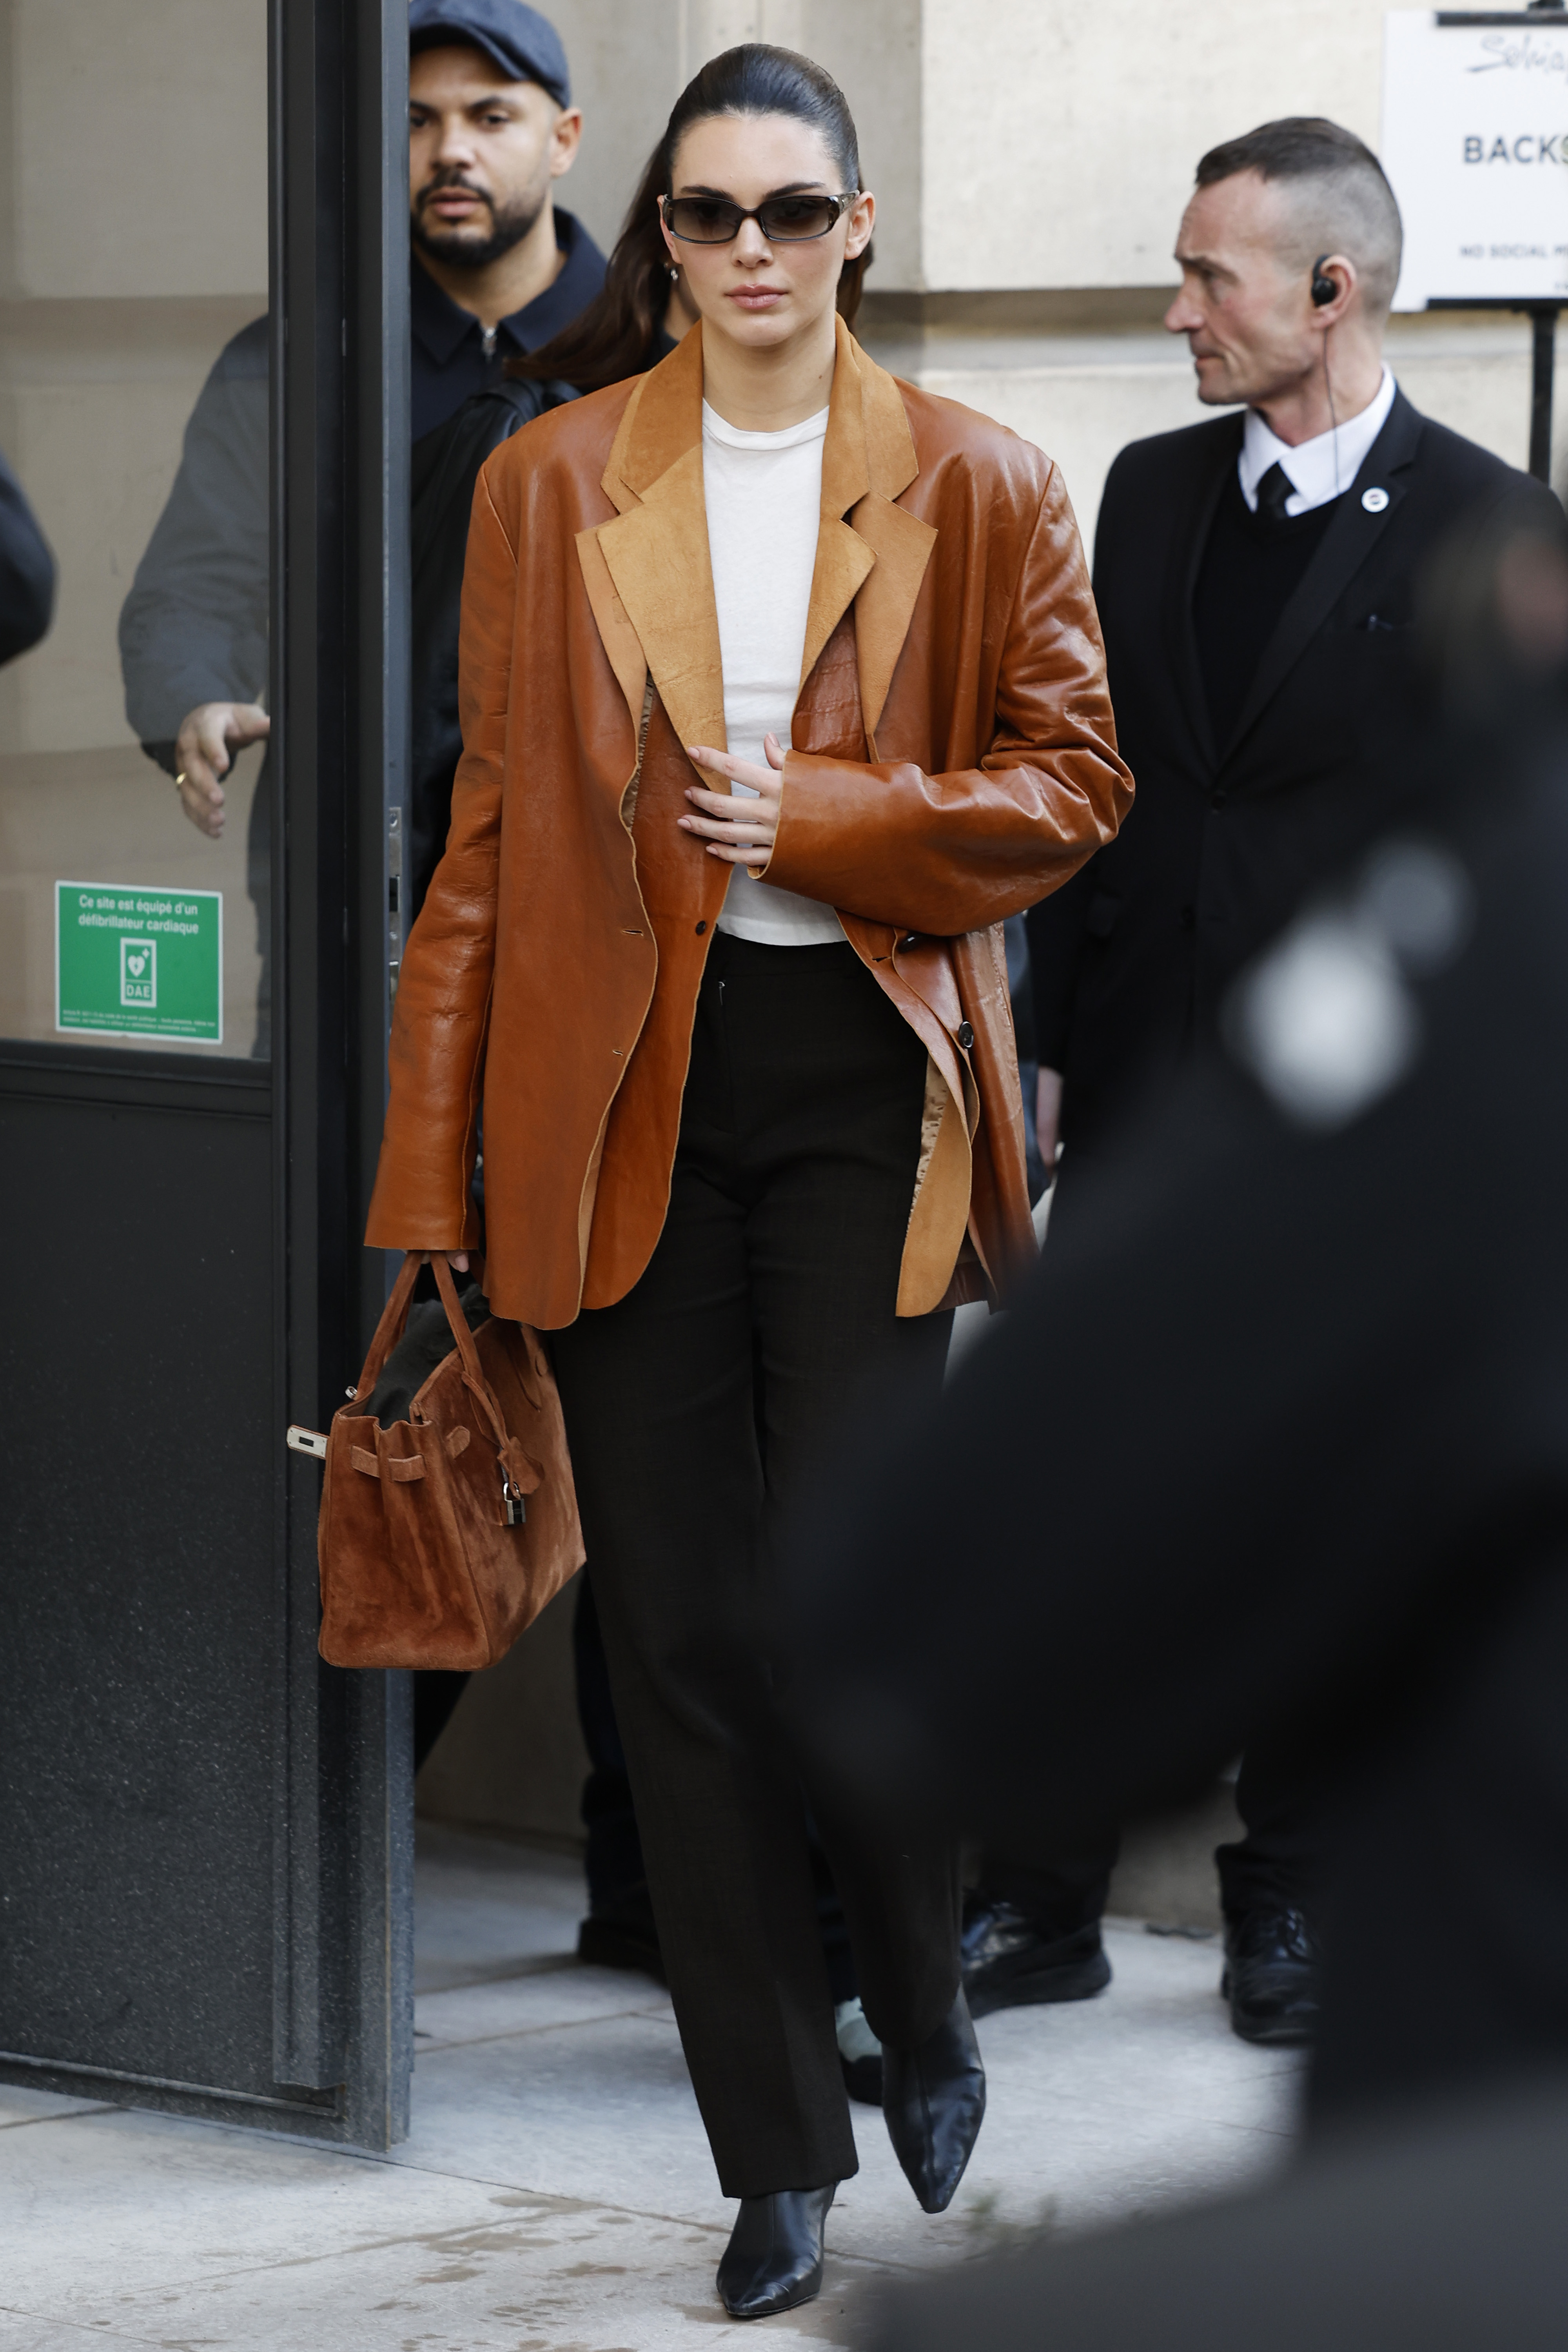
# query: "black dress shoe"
(774, 2258)
(1010, 1963)
(934, 2098)
(1271, 1977)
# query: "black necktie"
(1272, 492)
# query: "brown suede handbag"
(442, 1537)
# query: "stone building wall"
(1030, 160)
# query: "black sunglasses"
(782, 220)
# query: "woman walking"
(782, 686)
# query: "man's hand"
(204, 747)
(739, 839)
(1047, 1114)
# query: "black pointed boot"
(774, 2258)
(935, 2100)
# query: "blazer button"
(965, 1035)
(700, 928)
(1189, 921)
(1216, 798)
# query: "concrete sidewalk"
(557, 2195)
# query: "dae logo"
(139, 973)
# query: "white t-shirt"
(764, 496)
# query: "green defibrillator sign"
(135, 961)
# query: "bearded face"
(471, 236)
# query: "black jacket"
(446, 348)
(1131, 958)
(445, 471)
(27, 572)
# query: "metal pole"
(1543, 352)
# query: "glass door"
(203, 367)
(135, 908)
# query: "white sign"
(1475, 141)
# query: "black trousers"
(1272, 1866)
(1282, 1800)
(698, 1408)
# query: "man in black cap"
(491, 127)
(497, 268)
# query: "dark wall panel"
(137, 1591)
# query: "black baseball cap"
(524, 45)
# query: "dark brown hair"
(613, 337)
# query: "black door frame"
(343, 1931)
(341, 1763)
(343, 1918)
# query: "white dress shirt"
(1320, 468)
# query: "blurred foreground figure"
(1444, 2235)
(1326, 1282)
(1255, 577)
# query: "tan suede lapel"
(648, 574)
(901, 544)
(657, 555)
(666, 419)
(613, 481)
(620, 640)
(899, 541)
(843, 560)
(656, 551)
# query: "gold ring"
(180, 779)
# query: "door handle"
(393, 901)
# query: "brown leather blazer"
(954, 761)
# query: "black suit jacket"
(1133, 958)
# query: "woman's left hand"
(738, 830)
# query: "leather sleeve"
(953, 853)
(422, 1198)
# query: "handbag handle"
(394, 1318)
(473, 1378)
(389, 1330)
